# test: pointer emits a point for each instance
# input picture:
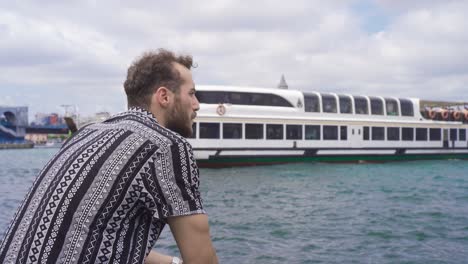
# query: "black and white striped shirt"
(106, 195)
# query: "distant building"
(46, 129)
(13, 123)
(37, 138)
(52, 128)
(52, 119)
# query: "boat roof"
(247, 89)
(284, 92)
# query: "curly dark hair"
(152, 70)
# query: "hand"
(158, 258)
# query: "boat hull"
(240, 160)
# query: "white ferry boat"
(240, 126)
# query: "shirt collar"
(143, 113)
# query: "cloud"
(53, 52)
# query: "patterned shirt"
(106, 195)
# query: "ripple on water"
(270, 259)
(280, 233)
(231, 237)
(462, 198)
(434, 215)
(310, 247)
(384, 234)
(419, 235)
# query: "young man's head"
(162, 83)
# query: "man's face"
(183, 109)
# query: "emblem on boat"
(299, 103)
(221, 110)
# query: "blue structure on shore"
(13, 123)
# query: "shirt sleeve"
(177, 177)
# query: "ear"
(163, 96)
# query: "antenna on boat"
(282, 84)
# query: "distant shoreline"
(16, 145)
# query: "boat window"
(445, 135)
(378, 133)
(330, 132)
(435, 134)
(453, 134)
(274, 131)
(360, 105)
(275, 100)
(393, 133)
(421, 134)
(365, 133)
(268, 100)
(407, 133)
(406, 107)
(194, 130)
(232, 130)
(311, 103)
(462, 134)
(293, 132)
(391, 107)
(344, 132)
(345, 104)
(254, 131)
(209, 130)
(240, 98)
(312, 132)
(210, 97)
(328, 103)
(376, 106)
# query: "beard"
(178, 121)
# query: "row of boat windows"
(374, 106)
(326, 103)
(411, 134)
(273, 131)
(240, 98)
(317, 132)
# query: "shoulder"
(177, 143)
(180, 151)
(147, 127)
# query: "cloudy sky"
(55, 53)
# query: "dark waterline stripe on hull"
(235, 161)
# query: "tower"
(282, 84)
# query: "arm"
(157, 258)
(192, 234)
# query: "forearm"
(157, 258)
(203, 257)
(214, 257)
(192, 235)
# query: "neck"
(159, 115)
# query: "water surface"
(406, 212)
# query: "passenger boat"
(240, 126)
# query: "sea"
(400, 212)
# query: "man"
(108, 193)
